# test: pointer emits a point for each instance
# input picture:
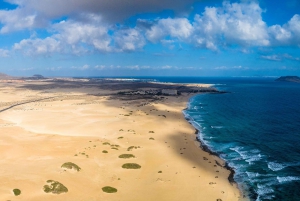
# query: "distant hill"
(6, 77)
(289, 79)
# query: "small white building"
(171, 92)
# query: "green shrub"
(131, 166)
(126, 156)
(151, 138)
(104, 151)
(160, 171)
(131, 148)
(109, 189)
(151, 131)
(120, 137)
(106, 143)
(17, 192)
(55, 187)
(70, 165)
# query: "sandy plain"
(43, 125)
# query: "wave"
(287, 179)
(276, 166)
(217, 127)
(249, 156)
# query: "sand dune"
(92, 129)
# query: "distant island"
(289, 79)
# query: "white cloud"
(74, 34)
(4, 53)
(271, 57)
(129, 40)
(88, 29)
(38, 46)
(100, 67)
(69, 37)
(288, 34)
(280, 57)
(166, 67)
(54, 68)
(236, 23)
(15, 20)
(84, 67)
(179, 28)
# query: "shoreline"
(205, 148)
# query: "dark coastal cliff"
(289, 79)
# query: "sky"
(150, 37)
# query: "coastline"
(78, 123)
(205, 148)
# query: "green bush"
(104, 151)
(55, 187)
(70, 165)
(131, 148)
(126, 156)
(131, 166)
(109, 189)
(17, 192)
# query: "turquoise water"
(256, 129)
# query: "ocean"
(255, 128)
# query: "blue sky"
(150, 37)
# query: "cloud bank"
(97, 26)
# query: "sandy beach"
(44, 125)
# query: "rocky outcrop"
(289, 79)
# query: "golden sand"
(53, 126)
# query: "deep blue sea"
(255, 128)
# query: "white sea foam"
(249, 156)
(287, 179)
(276, 166)
(217, 127)
(252, 174)
(264, 192)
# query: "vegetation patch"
(55, 187)
(120, 137)
(104, 151)
(127, 156)
(131, 148)
(131, 166)
(151, 138)
(151, 131)
(115, 145)
(106, 143)
(70, 165)
(17, 192)
(160, 171)
(121, 130)
(109, 189)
